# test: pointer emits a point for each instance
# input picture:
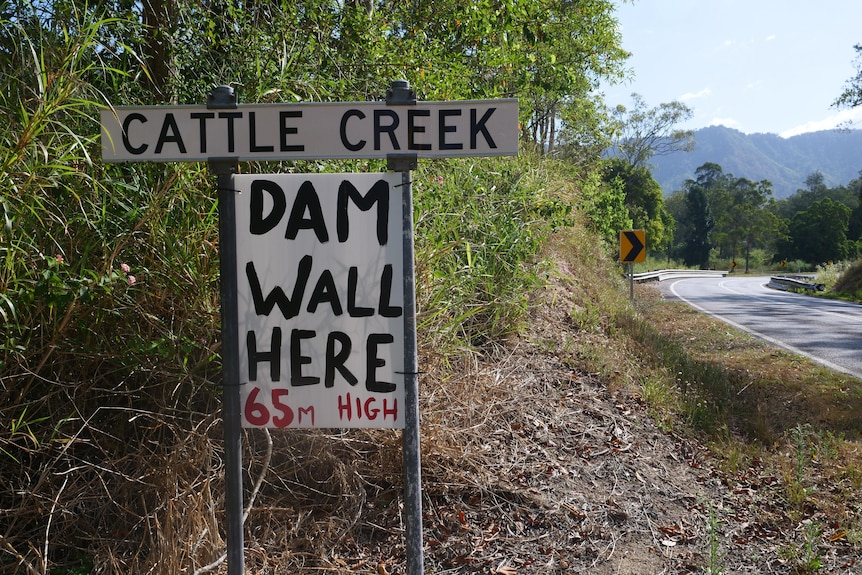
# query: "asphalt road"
(826, 331)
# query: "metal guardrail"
(798, 282)
(662, 275)
(793, 283)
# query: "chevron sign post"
(632, 246)
(632, 250)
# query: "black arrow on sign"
(637, 246)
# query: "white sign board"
(313, 130)
(320, 295)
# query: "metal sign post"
(401, 95)
(632, 249)
(224, 97)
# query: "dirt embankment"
(534, 465)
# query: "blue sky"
(754, 65)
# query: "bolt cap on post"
(222, 97)
(400, 93)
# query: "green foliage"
(698, 225)
(109, 298)
(546, 53)
(816, 189)
(479, 230)
(644, 201)
(586, 130)
(58, 238)
(718, 211)
(714, 555)
(604, 204)
(818, 234)
(107, 283)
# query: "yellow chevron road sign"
(632, 246)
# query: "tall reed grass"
(479, 228)
(108, 312)
(110, 449)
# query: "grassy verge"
(756, 406)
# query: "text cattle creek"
(320, 290)
(314, 130)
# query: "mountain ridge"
(786, 162)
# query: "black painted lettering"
(230, 117)
(443, 128)
(476, 127)
(413, 129)
(252, 136)
(285, 131)
(378, 194)
(273, 356)
(372, 362)
(335, 360)
(343, 130)
(384, 308)
(203, 117)
(170, 133)
(307, 201)
(325, 292)
(127, 143)
(258, 223)
(381, 128)
(289, 307)
(297, 360)
(352, 309)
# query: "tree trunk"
(157, 16)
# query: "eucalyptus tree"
(852, 94)
(547, 53)
(643, 132)
(742, 211)
(750, 221)
(697, 224)
(637, 134)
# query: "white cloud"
(843, 117)
(770, 38)
(695, 95)
(727, 122)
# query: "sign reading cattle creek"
(258, 132)
(320, 294)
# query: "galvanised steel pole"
(401, 94)
(220, 98)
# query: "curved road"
(826, 331)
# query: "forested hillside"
(785, 162)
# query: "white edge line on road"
(766, 338)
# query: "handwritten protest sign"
(320, 294)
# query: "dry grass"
(574, 447)
(764, 391)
